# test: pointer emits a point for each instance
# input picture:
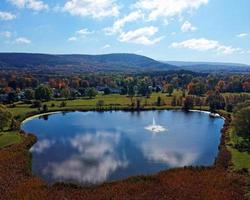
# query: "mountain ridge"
(83, 62)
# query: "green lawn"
(8, 138)
(240, 159)
(119, 101)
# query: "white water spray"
(154, 128)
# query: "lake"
(94, 147)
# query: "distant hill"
(81, 63)
(210, 66)
(75, 63)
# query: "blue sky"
(183, 30)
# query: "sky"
(168, 30)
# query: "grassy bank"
(240, 160)
(9, 138)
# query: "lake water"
(95, 147)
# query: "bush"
(107, 91)
(63, 104)
(45, 108)
(229, 108)
(100, 104)
(36, 104)
(159, 101)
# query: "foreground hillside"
(188, 183)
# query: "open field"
(110, 101)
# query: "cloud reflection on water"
(95, 160)
(41, 146)
(172, 157)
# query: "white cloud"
(241, 35)
(6, 16)
(203, 44)
(168, 8)
(36, 5)
(80, 34)
(18, 3)
(106, 46)
(83, 32)
(141, 36)
(22, 40)
(187, 26)
(72, 39)
(6, 34)
(119, 24)
(96, 9)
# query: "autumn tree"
(169, 89)
(215, 101)
(188, 103)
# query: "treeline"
(14, 87)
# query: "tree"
(169, 89)
(246, 86)
(43, 92)
(138, 104)
(45, 108)
(144, 89)
(188, 103)
(15, 125)
(12, 97)
(29, 94)
(91, 92)
(5, 117)
(158, 103)
(221, 86)
(100, 104)
(65, 93)
(173, 102)
(131, 92)
(216, 101)
(242, 122)
(63, 104)
(107, 91)
(124, 90)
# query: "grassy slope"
(239, 159)
(8, 138)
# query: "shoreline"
(28, 118)
(39, 115)
(216, 177)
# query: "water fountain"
(155, 128)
